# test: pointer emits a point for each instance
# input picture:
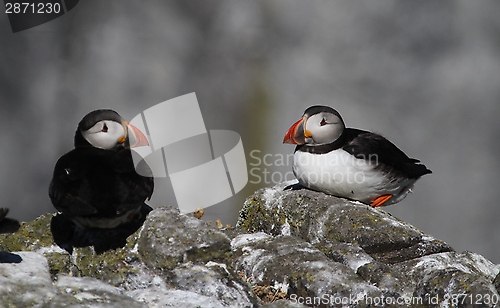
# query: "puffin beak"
(297, 134)
(138, 138)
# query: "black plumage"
(7, 225)
(370, 146)
(98, 184)
(96, 188)
(378, 149)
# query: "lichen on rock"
(173, 260)
(319, 218)
(168, 239)
(291, 248)
(369, 247)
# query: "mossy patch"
(31, 236)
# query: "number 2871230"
(32, 8)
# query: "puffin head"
(106, 129)
(319, 125)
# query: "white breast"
(341, 174)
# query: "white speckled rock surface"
(291, 248)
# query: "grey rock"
(464, 280)
(169, 238)
(184, 299)
(85, 292)
(191, 257)
(393, 261)
(317, 218)
(297, 269)
(172, 261)
(27, 283)
(496, 282)
(291, 248)
(384, 277)
(155, 291)
(213, 280)
(282, 303)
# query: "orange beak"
(296, 134)
(139, 139)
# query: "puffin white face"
(105, 134)
(323, 128)
(319, 125)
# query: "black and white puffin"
(7, 225)
(349, 162)
(96, 185)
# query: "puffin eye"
(104, 128)
(323, 122)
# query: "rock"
(319, 218)
(291, 248)
(172, 261)
(282, 303)
(85, 292)
(466, 278)
(296, 268)
(169, 239)
(26, 283)
(213, 280)
(496, 282)
(371, 250)
(181, 299)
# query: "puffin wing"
(63, 189)
(370, 146)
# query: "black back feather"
(370, 146)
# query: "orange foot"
(379, 201)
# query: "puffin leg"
(379, 201)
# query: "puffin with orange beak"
(96, 185)
(348, 162)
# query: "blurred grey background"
(425, 74)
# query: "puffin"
(348, 162)
(96, 185)
(7, 225)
